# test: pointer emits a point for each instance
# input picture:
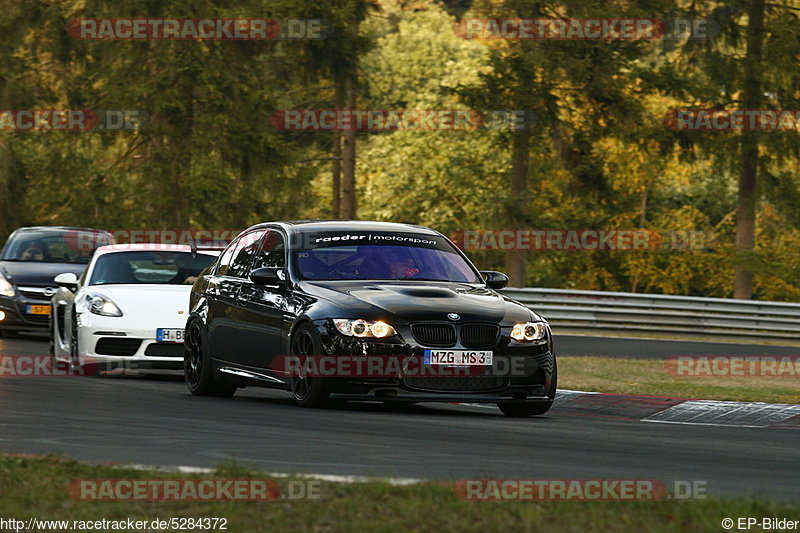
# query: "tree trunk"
(748, 173)
(13, 187)
(336, 185)
(336, 153)
(516, 260)
(348, 205)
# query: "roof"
(60, 228)
(303, 226)
(150, 247)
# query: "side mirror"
(494, 279)
(267, 276)
(68, 280)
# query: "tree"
(729, 70)
(748, 173)
(577, 90)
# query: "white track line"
(395, 481)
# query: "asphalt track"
(641, 348)
(153, 420)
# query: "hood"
(35, 274)
(144, 307)
(418, 301)
(145, 297)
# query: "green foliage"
(599, 153)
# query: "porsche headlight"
(363, 328)
(6, 288)
(528, 331)
(102, 305)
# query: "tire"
(533, 408)
(308, 391)
(54, 365)
(74, 349)
(74, 365)
(52, 339)
(197, 369)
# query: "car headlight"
(528, 331)
(363, 328)
(101, 305)
(6, 288)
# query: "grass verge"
(36, 487)
(650, 377)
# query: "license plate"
(458, 357)
(169, 335)
(38, 310)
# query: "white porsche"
(128, 308)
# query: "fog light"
(2, 316)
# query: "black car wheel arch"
(307, 391)
(198, 369)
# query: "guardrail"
(661, 314)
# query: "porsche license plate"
(169, 335)
(458, 357)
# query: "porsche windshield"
(382, 257)
(146, 267)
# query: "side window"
(225, 260)
(271, 251)
(244, 253)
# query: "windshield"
(146, 267)
(418, 258)
(44, 246)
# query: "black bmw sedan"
(371, 311)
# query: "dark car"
(29, 261)
(364, 311)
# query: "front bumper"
(400, 394)
(17, 317)
(111, 342)
(526, 373)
